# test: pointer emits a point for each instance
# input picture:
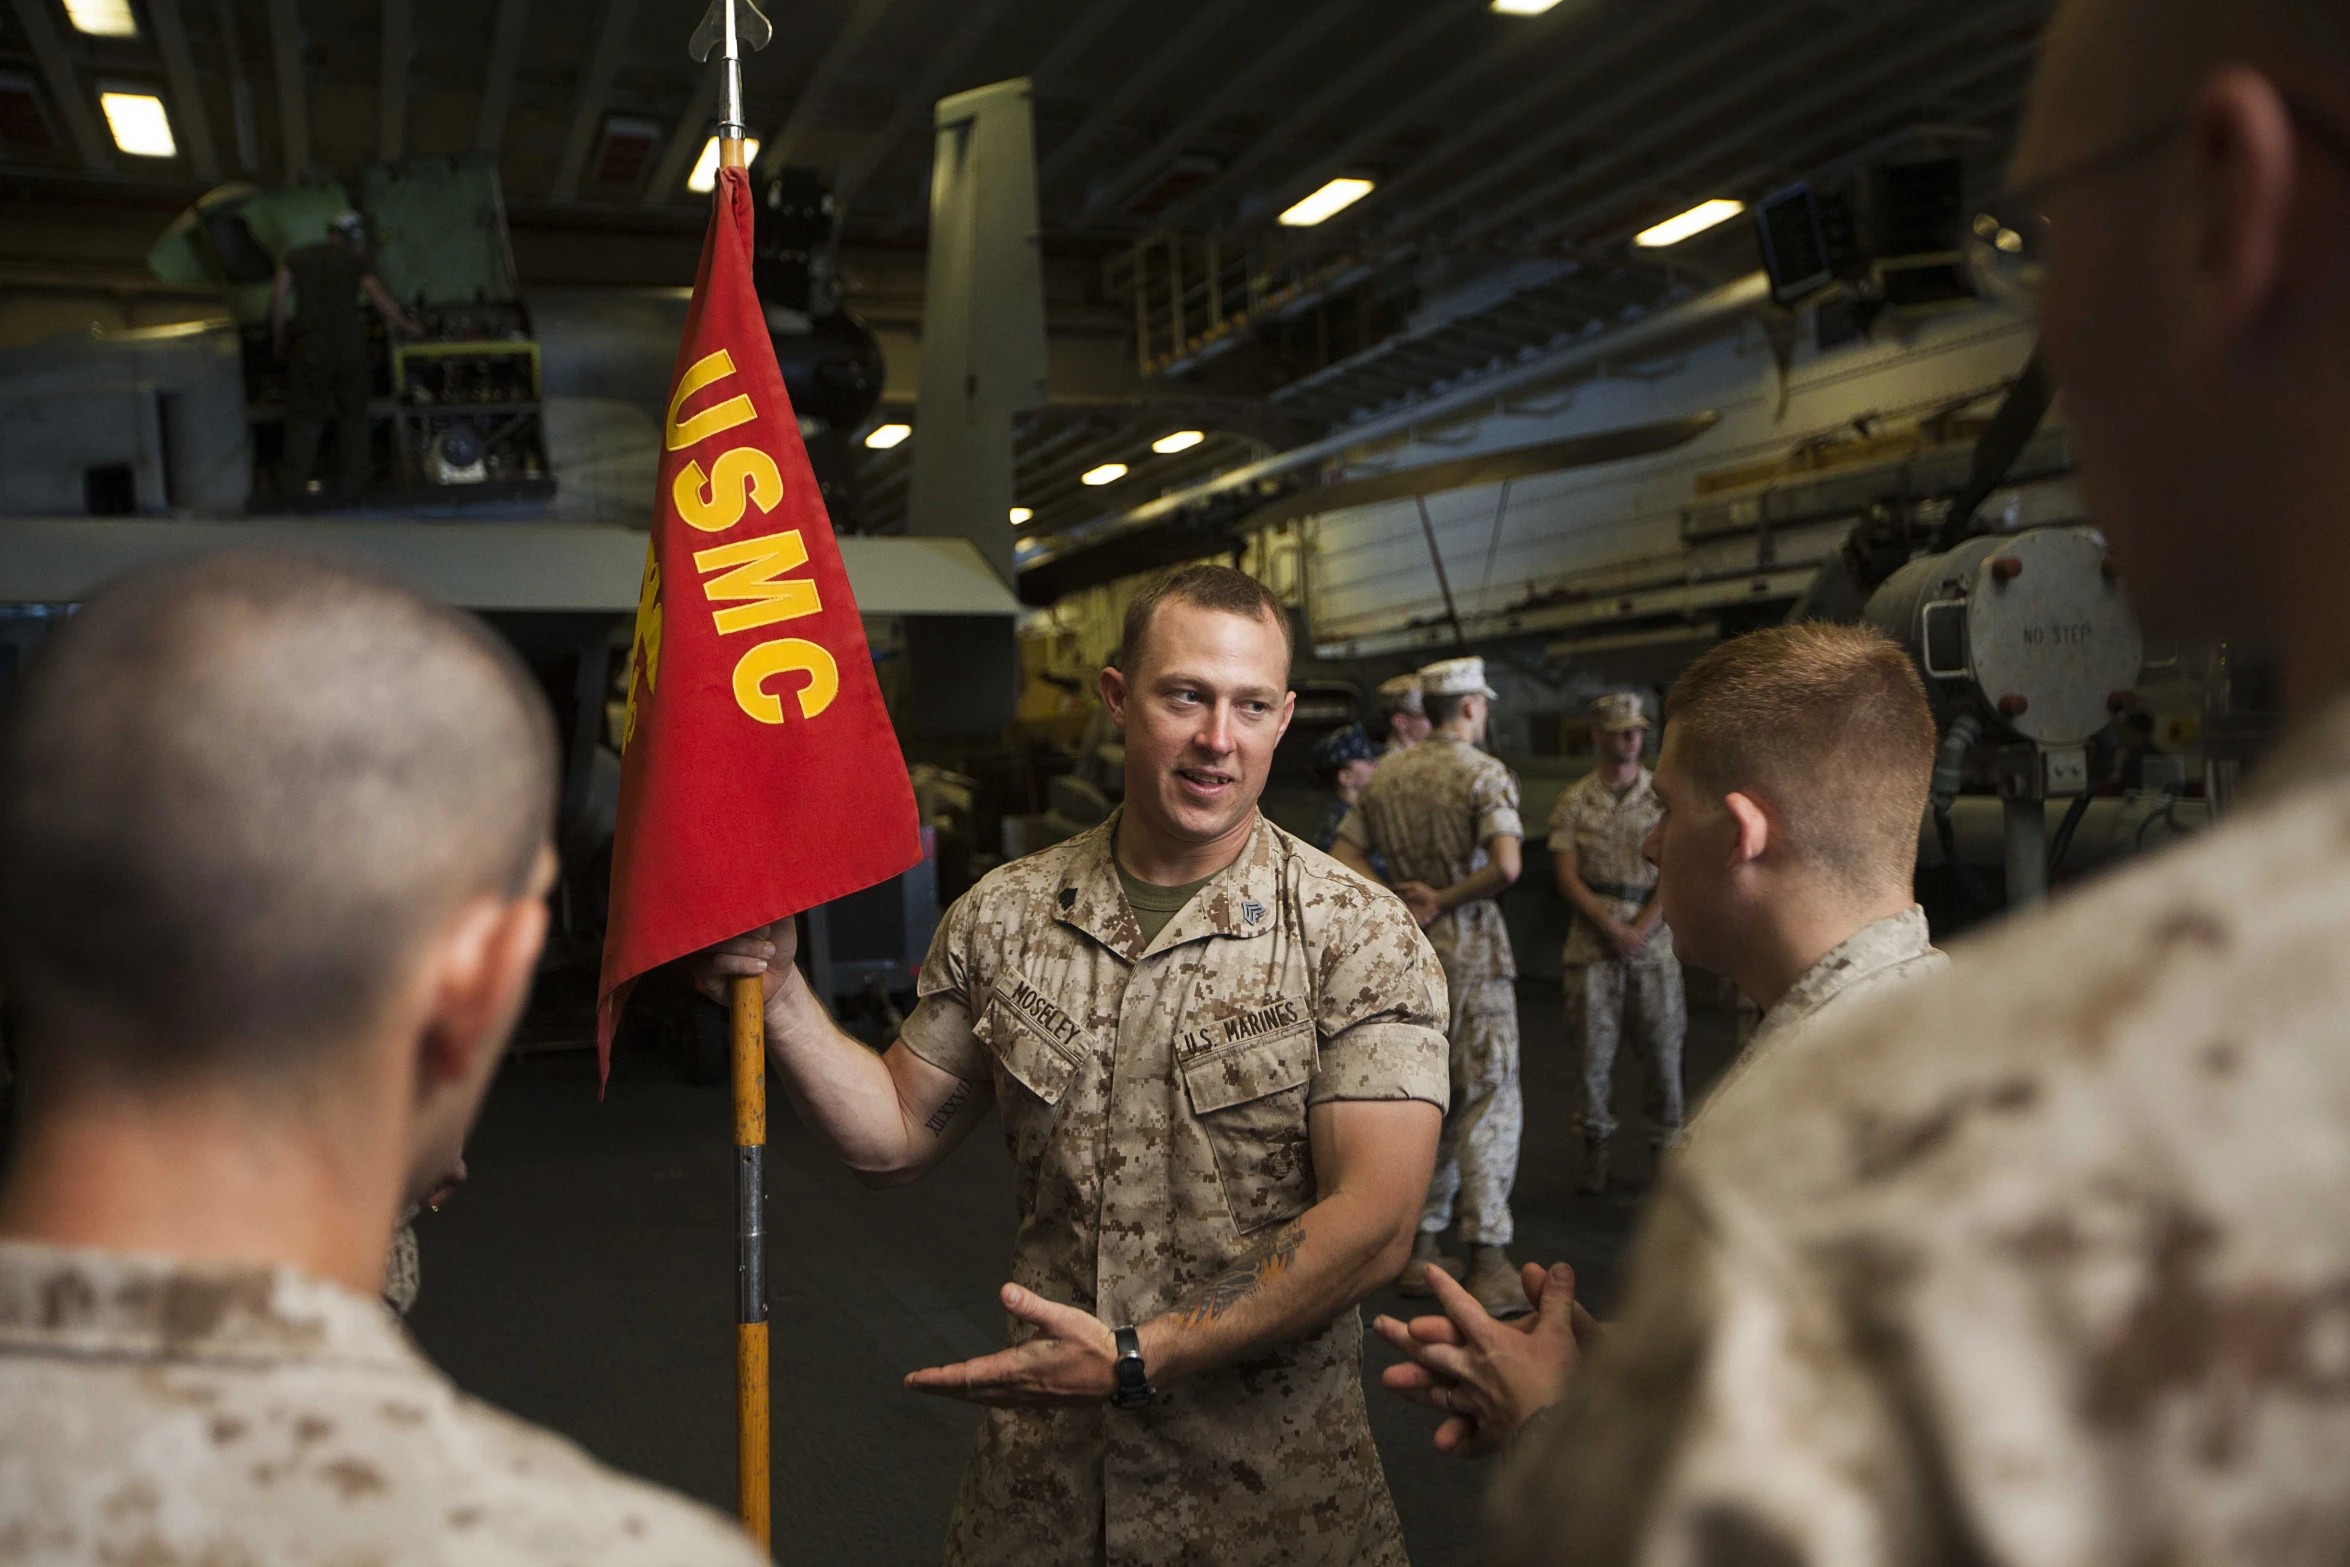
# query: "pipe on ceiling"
(1700, 316)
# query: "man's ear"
(2241, 150)
(1754, 828)
(1288, 712)
(1112, 686)
(486, 959)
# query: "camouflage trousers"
(1477, 1155)
(1607, 1001)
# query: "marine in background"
(1621, 977)
(1443, 818)
(1404, 706)
(1342, 762)
(325, 351)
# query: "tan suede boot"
(1413, 1281)
(1493, 1280)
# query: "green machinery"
(455, 415)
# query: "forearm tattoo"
(1267, 1261)
(944, 1116)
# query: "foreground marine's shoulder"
(2183, 1011)
(526, 1495)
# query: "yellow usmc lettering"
(758, 563)
(714, 502)
(715, 419)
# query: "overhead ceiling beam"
(1129, 180)
(1092, 20)
(1337, 91)
(65, 86)
(1408, 107)
(686, 139)
(1609, 106)
(190, 123)
(1206, 24)
(391, 96)
(1837, 141)
(916, 104)
(1770, 118)
(590, 96)
(293, 98)
(240, 87)
(1602, 72)
(497, 85)
(793, 134)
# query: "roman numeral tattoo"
(1268, 1260)
(944, 1116)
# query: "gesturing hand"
(1488, 1376)
(1072, 1360)
(1420, 898)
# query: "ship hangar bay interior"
(1577, 335)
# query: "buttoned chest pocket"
(1041, 1066)
(1250, 1101)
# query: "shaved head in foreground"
(273, 863)
(273, 832)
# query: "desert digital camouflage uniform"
(2041, 1259)
(165, 1412)
(403, 1269)
(1428, 814)
(1606, 994)
(1154, 1099)
(1890, 951)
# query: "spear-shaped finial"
(727, 28)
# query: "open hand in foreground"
(1071, 1360)
(1488, 1376)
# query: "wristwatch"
(1133, 1390)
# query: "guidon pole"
(725, 29)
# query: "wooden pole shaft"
(752, 1446)
(730, 152)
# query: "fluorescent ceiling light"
(1696, 220)
(705, 175)
(1325, 203)
(140, 126)
(1523, 7)
(1021, 514)
(102, 18)
(885, 436)
(1178, 441)
(1107, 473)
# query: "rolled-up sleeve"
(940, 1029)
(1380, 1008)
(1495, 794)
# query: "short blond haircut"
(1827, 725)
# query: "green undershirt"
(1153, 904)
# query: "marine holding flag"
(1219, 1060)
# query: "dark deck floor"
(584, 1279)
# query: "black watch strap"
(1133, 1389)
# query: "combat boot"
(1595, 1165)
(1493, 1280)
(1413, 1281)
